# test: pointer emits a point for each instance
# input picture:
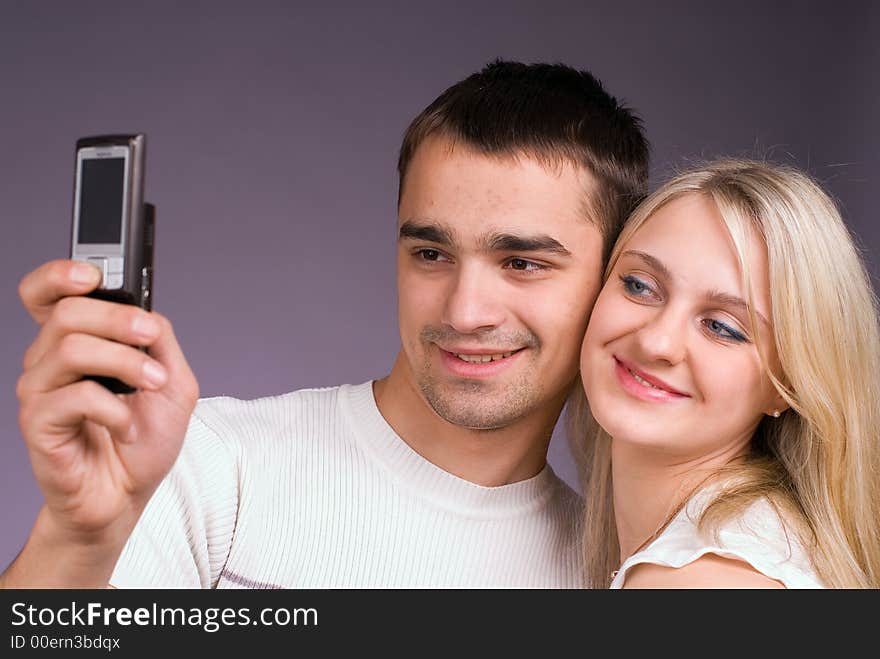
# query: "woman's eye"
(724, 331)
(635, 286)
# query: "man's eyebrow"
(429, 232)
(493, 242)
(506, 242)
(712, 296)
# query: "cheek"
(612, 318)
(734, 381)
(417, 291)
(406, 306)
(416, 305)
(559, 320)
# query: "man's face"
(498, 268)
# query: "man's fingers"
(124, 323)
(77, 355)
(167, 351)
(43, 287)
(49, 418)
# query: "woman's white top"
(758, 537)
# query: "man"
(513, 185)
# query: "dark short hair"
(551, 112)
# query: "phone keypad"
(101, 264)
(111, 270)
(114, 272)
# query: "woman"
(732, 368)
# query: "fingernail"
(145, 327)
(154, 374)
(84, 273)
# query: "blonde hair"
(819, 462)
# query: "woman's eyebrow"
(728, 300)
(712, 296)
(652, 261)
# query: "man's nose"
(474, 300)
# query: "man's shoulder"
(231, 406)
(280, 416)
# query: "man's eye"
(429, 254)
(525, 265)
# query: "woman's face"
(669, 360)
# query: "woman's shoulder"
(708, 571)
(757, 547)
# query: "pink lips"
(660, 392)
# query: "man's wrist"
(56, 557)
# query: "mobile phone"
(113, 228)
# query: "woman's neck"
(650, 487)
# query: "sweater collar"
(409, 469)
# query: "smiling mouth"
(484, 359)
(642, 381)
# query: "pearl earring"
(776, 414)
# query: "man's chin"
(468, 393)
(473, 407)
(475, 419)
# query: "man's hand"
(97, 456)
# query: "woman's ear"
(777, 407)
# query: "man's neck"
(485, 457)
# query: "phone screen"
(101, 200)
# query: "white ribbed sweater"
(313, 489)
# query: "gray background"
(273, 130)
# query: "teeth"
(482, 359)
(642, 381)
